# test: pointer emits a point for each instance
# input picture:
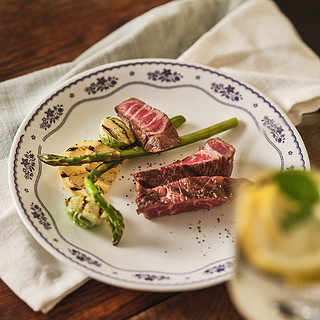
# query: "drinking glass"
(277, 269)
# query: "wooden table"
(37, 34)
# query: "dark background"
(305, 15)
(40, 33)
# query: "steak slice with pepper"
(187, 194)
(214, 159)
(152, 128)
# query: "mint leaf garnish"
(298, 185)
(302, 189)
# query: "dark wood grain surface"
(42, 33)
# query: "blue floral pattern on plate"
(275, 129)
(151, 277)
(84, 258)
(39, 215)
(51, 116)
(166, 75)
(226, 91)
(102, 84)
(28, 162)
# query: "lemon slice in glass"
(72, 176)
(278, 233)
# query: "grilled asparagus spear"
(121, 154)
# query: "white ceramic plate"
(182, 252)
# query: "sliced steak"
(152, 128)
(214, 159)
(187, 194)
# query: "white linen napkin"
(255, 43)
(258, 44)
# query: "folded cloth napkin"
(249, 39)
(259, 45)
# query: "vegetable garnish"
(121, 154)
(112, 215)
(91, 210)
(87, 211)
(301, 188)
(89, 207)
(114, 133)
(72, 176)
(83, 211)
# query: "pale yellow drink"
(278, 247)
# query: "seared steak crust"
(214, 159)
(151, 127)
(187, 194)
